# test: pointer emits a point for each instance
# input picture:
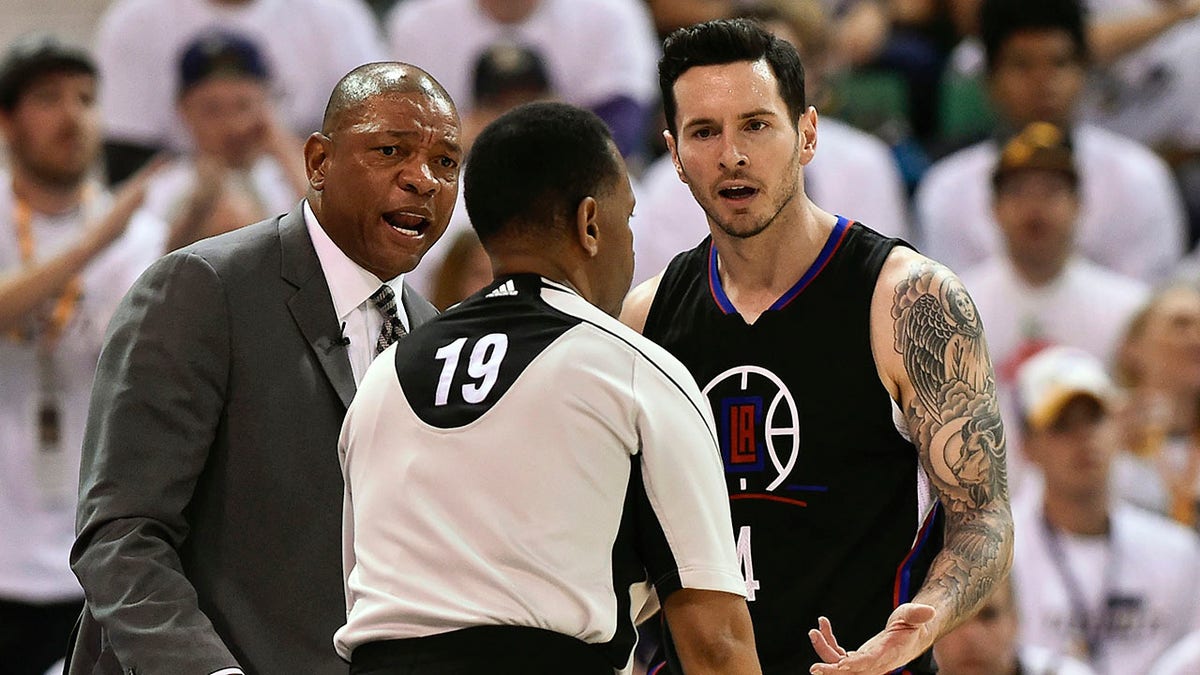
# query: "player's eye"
(388, 150)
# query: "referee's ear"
(587, 230)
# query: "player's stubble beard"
(790, 186)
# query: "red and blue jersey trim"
(902, 591)
(836, 237)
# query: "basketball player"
(519, 469)
(849, 378)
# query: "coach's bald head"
(383, 170)
(372, 80)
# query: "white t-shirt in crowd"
(1087, 307)
(1146, 572)
(38, 490)
(1131, 218)
(308, 45)
(853, 174)
(594, 50)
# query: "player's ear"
(673, 152)
(587, 230)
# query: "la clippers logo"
(757, 420)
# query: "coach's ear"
(316, 157)
(587, 230)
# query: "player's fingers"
(827, 631)
(821, 646)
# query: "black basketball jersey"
(831, 512)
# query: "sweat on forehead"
(378, 79)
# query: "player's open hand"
(906, 636)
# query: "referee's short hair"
(530, 168)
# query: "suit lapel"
(312, 304)
(418, 308)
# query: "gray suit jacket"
(210, 494)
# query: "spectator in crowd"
(910, 38)
(854, 172)
(494, 527)
(505, 76)
(306, 46)
(209, 527)
(1096, 578)
(244, 166)
(1039, 290)
(1148, 87)
(68, 251)
(599, 54)
(986, 644)
(1159, 365)
(1131, 216)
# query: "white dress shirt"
(351, 287)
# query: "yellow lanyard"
(67, 303)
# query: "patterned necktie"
(393, 329)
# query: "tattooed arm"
(932, 357)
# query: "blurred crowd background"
(1046, 150)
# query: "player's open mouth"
(737, 192)
(407, 222)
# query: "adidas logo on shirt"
(506, 288)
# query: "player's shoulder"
(907, 264)
(637, 304)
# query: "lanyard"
(1093, 627)
(67, 303)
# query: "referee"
(521, 470)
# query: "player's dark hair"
(1000, 19)
(533, 165)
(725, 41)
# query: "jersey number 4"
(483, 367)
(746, 562)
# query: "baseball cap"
(33, 56)
(1040, 145)
(1050, 379)
(220, 54)
(504, 68)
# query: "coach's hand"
(906, 636)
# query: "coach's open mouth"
(407, 222)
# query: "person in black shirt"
(848, 375)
